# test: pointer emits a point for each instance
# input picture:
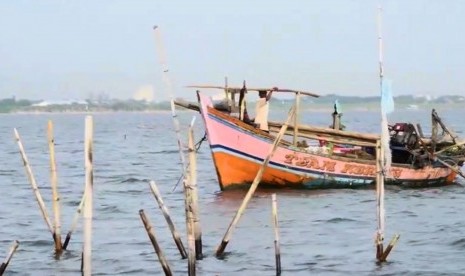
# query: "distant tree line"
(8, 105)
(11, 104)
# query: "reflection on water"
(329, 232)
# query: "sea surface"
(329, 232)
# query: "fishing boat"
(321, 157)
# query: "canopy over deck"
(236, 89)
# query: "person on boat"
(243, 114)
(262, 109)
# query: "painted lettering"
(330, 166)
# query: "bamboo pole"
(54, 181)
(12, 251)
(380, 154)
(74, 222)
(156, 246)
(190, 222)
(328, 138)
(419, 130)
(274, 207)
(380, 202)
(454, 169)
(87, 216)
(389, 248)
(189, 105)
(458, 144)
(189, 227)
(368, 137)
(234, 89)
(443, 126)
(164, 209)
(296, 118)
(194, 192)
(169, 88)
(254, 185)
(381, 255)
(33, 182)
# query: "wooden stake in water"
(87, 217)
(190, 228)
(164, 209)
(55, 196)
(156, 246)
(8, 257)
(389, 248)
(74, 222)
(379, 200)
(274, 207)
(193, 186)
(169, 88)
(254, 185)
(33, 182)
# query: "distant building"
(60, 102)
(144, 93)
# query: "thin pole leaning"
(54, 184)
(7, 260)
(74, 222)
(169, 88)
(89, 177)
(156, 246)
(164, 209)
(254, 185)
(33, 182)
(194, 192)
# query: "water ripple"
(321, 232)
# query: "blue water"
(327, 232)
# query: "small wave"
(368, 200)
(37, 243)
(133, 179)
(110, 208)
(337, 220)
(226, 255)
(73, 203)
(6, 171)
(459, 243)
(131, 271)
(166, 151)
(408, 213)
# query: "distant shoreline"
(87, 112)
(319, 108)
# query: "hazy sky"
(69, 49)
